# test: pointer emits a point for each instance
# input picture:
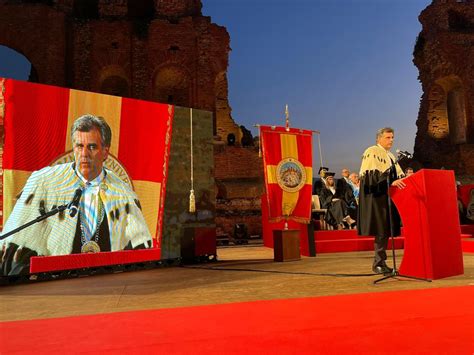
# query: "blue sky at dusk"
(344, 67)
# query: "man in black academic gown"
(321, 182)
(378, 165)
(336, 200)
(344, 185)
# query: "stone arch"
(113, 81)
(447, 110)
(141, 9)
(86, 9)
(172, 84)
(23, 68)
(27, 32)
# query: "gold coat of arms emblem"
(291, 175)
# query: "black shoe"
(382, 269)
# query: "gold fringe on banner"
(2, 101)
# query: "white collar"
(387, 150)
(96, 182)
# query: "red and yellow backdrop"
(37, 121)
(288, 168)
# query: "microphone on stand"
(74, 204)
(404, 154)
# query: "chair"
(319, 212)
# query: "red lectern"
(428, 208)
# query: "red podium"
(430, 218)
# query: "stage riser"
(467, 236)
(468, 245)
(347, 245)
(467, 229)
(348, 240)
(336, 235)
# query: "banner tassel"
(192, 197)
(192, 202)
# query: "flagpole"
(320, 153)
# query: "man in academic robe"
(321, 182)
(336, 201)
(354, 183)
(379, 170)
(344, 184)
(344, 180)
(470, 207)
(109, 217)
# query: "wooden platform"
(241, 274)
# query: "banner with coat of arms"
(288, 168)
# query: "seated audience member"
(465, 196)
(109, 217)
(345, 173)
(344, 181)
(354, 183)
(461, 209)
(321, 182)
(343, 184)
(470, 208)
(409, 171)
(334, 200)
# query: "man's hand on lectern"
(399, 183)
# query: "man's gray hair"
(88, 122)
(381, 131)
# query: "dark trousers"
(380, 247)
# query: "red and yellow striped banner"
(37, 126)
(288, 168)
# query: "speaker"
(198, 244)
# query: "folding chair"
(319, 212)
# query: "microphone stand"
(394, 273)
(36, 220)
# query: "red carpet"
(430, 321)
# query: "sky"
(344, 67)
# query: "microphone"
(403, 153)
(74, 204)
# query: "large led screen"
(56, 214)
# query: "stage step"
(467, 229)
(336, 234)
(467, 245)
(335, 241)
(352, 244)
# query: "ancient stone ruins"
(444, 55)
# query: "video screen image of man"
(108, 215)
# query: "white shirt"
(89, 203)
